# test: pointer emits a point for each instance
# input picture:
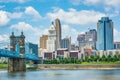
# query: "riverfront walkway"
(78, 66)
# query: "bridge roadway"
(13, 54)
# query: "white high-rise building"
(51, 42)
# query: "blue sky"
(35, 16)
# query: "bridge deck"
(13, 54)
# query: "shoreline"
(77, 66)
(73, 67)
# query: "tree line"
(109, 58)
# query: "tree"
(103, 58)
(92, 58)
(78, 61)
(97, 58)
(115, 58)
(109, 58)
(86, 59)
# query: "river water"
(62, 75)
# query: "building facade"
(116, 45)
(105, 34)
(66, 43)
(58, 33)
(81, 41)
(48, 55)
(72, 46)
(51, 42)
(43, 41)
(88, 39)
(31, 48)
(62, 53)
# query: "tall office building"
(58, 33)
(51, 42)
(66, 43)
(88, 39)
(43, 41)
(81, 41)
(91, 38)
(105, 34)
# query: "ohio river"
(62, 75)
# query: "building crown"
(52, 27)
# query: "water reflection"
(62, 75)
(15, 75)
(109, 75)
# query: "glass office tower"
(105, 34)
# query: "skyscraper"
(105, 34)
(43, 41)
(88, 39)
(91, 38)
(58, 33)
(51, 42)
(66, 43)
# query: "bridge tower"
(15, 64)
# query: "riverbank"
(70, 66)
(3, 66)
(78, 66)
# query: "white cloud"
(4, 18)
(15, 15)
(22, 26)
(4, 41)
(110, 4)
(75, 2)
(68, 31)
(92, 2)
(4, 38)
(72, 16)
(32, 33)
(31, 11)
(113, 3)
(116, 35)
(18, 1)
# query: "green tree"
(109, 58)
(115, 58)
(103, 58)
(86, 59)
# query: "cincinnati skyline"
(34, 17)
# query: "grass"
(3, 66)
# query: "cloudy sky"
(35, 16)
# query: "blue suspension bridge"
(16, 54)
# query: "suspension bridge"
(16, 54)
